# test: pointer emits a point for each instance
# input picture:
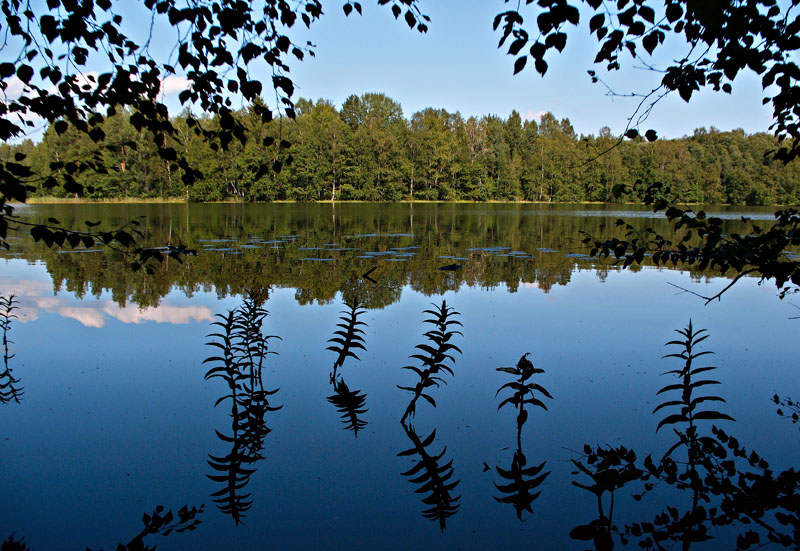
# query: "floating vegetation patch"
(379, 253)
(273, 242)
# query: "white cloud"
(174, 84)
(14, 88)
(531, 115)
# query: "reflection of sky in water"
(115, 421)
(36, 296)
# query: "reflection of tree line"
(439, 230)
(707, 478)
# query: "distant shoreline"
(176, 200)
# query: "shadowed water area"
(390, 377)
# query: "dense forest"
(369, 151)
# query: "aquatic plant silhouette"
(433, 356)
(609, 470)
(689, 404)
(13, 544)
(242, 351)
(160, 521)
(523, 481)
(349, 336)
(351, 404)
(701, 449)
(726, 483)
(432, 472)
(10, 388)
(787, 408)
(434, 475)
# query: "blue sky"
(457, 66)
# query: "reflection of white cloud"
(174, 84)
(89, 317)
(534, 285)
(161, 314)
(30, 294)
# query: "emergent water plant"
(521, 481)
(242, 350)
(9, 385)
(349, 336)
(434, 355)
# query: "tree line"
(369, 151)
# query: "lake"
(308, 445)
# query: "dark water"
(117, 416)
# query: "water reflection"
(474, 244)
(351, 404)
(344, 491)
(521, 482)
(433, 473)
(35, 297)
(238, 361)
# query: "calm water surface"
(117, 416)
